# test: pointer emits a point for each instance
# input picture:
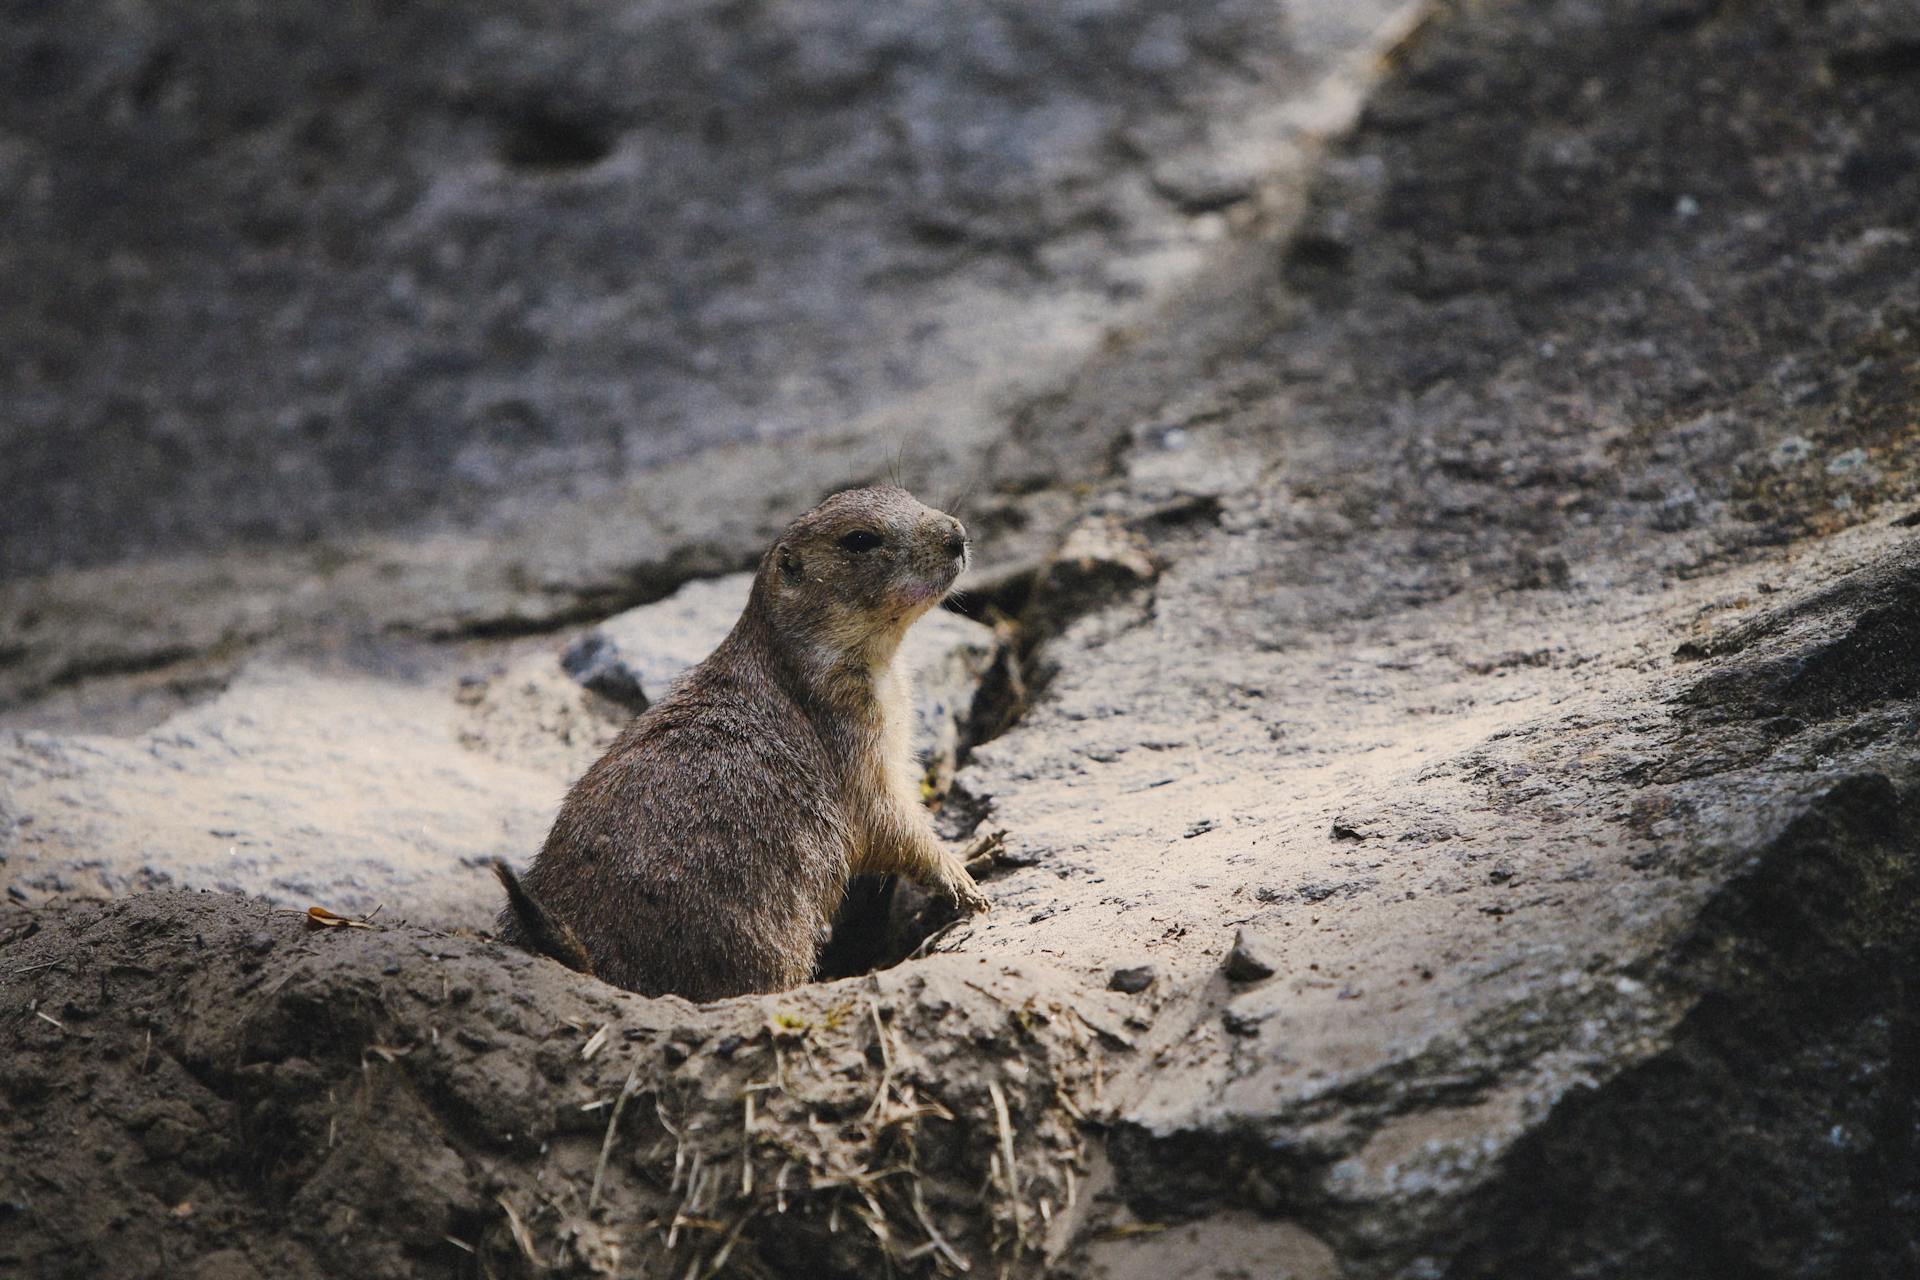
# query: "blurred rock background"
(400, 315)
(278, 273)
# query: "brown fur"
(705, 853)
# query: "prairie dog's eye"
(860, 540)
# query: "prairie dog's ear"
(790, 566)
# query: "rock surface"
(525, 244)
(369, 318)
(1498, 589)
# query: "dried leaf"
(333, 919)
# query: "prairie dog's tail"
(541, 931)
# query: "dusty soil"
(1454, 709)
(205, 1086)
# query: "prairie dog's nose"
(956, 540)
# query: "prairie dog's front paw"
(963, 892)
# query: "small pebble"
(1240, 1024)
(1251, 958)
(1841, 463)
(1790, 451)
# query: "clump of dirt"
(205, 1085)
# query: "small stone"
(1251, 958)
(595, 661)
(227, 1264)
(1240, 1024)
(260, 943)
(675, 1052)
(1842, 463)
(729, 1045)
(1790, 452)
(1131, 981)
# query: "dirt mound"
(207, 1085)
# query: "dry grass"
(832, 1135)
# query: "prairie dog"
(705, 853)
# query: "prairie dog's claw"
(963, 893)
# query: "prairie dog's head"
(850, 576)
